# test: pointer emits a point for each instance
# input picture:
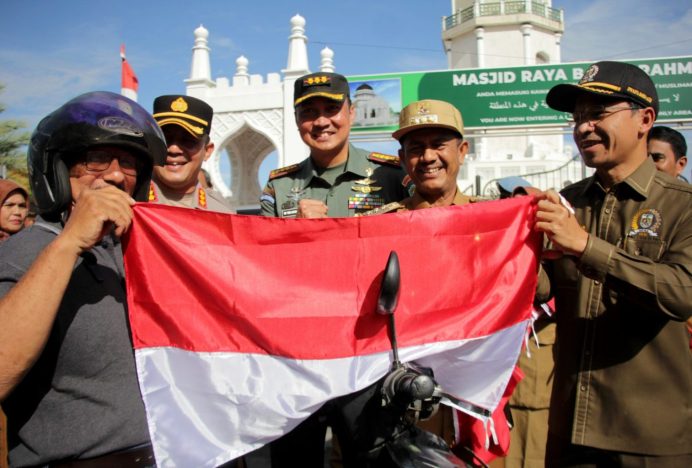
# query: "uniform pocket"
(649, 247)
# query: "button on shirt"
(623, 379)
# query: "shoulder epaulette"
(282, 171)
(388, 208)
(384, 159)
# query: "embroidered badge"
(179, 105)
(153, 197)
(202, 197)
(268, 195)
(365, 188)
(367, 181)
(289, 209)
(645, 223)
(589, 74)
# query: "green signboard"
(505, 97)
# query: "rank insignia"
(316, 80)
(365, 188)
(282, 171)
(385, 159)
(202, 197)
(367, 180)
(361, 201)
(153, 197)
(645, 223)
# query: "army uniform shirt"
(623, 378)
(201, 198)
(368, 180)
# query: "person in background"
(530, 402)
(668, 149)
(186, 123)
(620, 268)
(14, 208)
(13, 213)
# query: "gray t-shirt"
(81, 399)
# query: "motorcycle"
(384, 431)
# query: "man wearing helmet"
(67, 375)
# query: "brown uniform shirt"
(623, 378)
(442, 422)
(416, 202)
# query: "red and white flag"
(243, 326)
(129, 83)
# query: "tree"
(12, 148)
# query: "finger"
(553, 196)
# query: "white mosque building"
(253, 115)
(371, 109)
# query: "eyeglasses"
(598, 114)
(99, 161)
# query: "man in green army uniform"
(337, 179)
(185, 122)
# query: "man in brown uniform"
(186, 122)
(622, 280)
(432, 151)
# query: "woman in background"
(14, 208)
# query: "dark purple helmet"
(92, 119)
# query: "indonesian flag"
(129, 82)
(243, 326)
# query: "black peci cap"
(327, 85)
(193, 114)
(607, 79)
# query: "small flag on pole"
(129, 82)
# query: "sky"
(51, 51)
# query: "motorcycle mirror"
(389, 289)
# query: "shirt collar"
(640, 180)
(416, 202)
(354, 165)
